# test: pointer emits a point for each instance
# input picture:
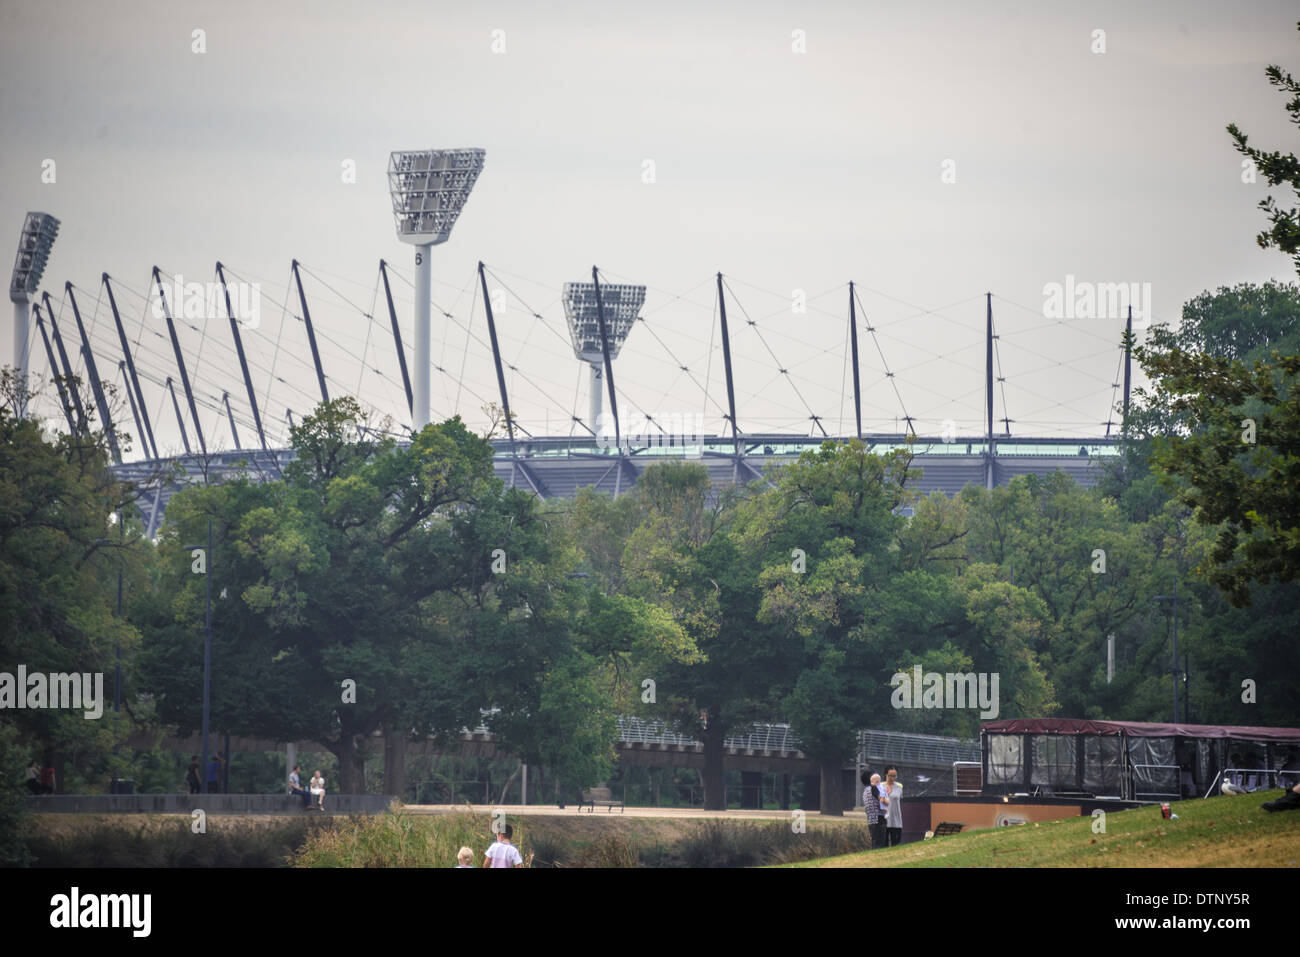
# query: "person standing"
(875, 815)
(34, 778)
(214, 774)
(894, 816)
(48, 782)
(503, 853)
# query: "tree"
(59, 558)
(1278, 168)
(686, 558)
(834, 513)
(327, 575)
(1239, 465)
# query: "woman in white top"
(318, 790)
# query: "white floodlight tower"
(622, 305)
(429, 189)
(39, 230)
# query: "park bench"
(602, 796)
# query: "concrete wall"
(209, 803)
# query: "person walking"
(192, 774)
(894, 815)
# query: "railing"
(906, 748)
(1249, 778)
(1176, 793)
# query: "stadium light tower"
(622, 304)
(429, 189)
(39, 230)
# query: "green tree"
(1278, 168)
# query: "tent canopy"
(1139, 729)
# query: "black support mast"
(853, 338)
(243, 365)
(92, 371)
(496, 358)
(180, 364)
(135, 412)
(397, 337)
(988, 384)
(180, 419)
(311, 335)
(726, 361)
(234, 432)
(133, 380)
(54, 368)
(1128, 362)
(67, 366)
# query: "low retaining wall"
(209, 803)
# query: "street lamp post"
(429, 189)
(207, 645)
(1173, 613)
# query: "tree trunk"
(394, 760)
(352, 766)
(831, 788)
(714, 776)
(509, 781)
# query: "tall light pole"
(621, 304)
(34, 242)
(429, 189)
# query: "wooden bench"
(602, 796)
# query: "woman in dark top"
(192, 775)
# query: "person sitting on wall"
(318, 791)
(295, 786)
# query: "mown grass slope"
(1217, 832)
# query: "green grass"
(1218, 832)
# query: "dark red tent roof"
(1139, 729)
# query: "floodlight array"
(39, 230)
(429, 189)
(622, 304)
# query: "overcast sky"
(931, 152)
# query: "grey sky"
(783, 170)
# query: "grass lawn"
(1217, 832)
